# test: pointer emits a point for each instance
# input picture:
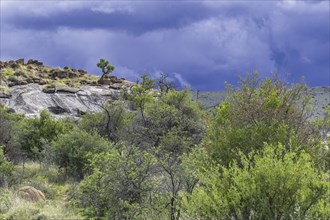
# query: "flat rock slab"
(30, 100)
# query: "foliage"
(141, 94)
(260, 157)
(8, 122)
(105, 67)
(32, 134)
(261, 111)
(6, 169)
(164, 84)
(73, 149)
(175, 125)
(323, 127)
(110, 122)
(119, 184)
(269, 185)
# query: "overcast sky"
(201, 44)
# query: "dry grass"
(22, 72)
(46, 180)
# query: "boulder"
(113, 79)
(82, 71)
(31, 194)
(67, 89)
(29, 80)
(61, 74)
(34, 62)
(36, 80)
(20, 61)
(105, 81)
(13, 81)
(73, 75)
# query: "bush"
(119, 184)
(71, 151)
(269, 185)
(6, 169)
(33, 134)
(108, 123)
(261, 111)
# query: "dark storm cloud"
(201, 44)
(143, 17)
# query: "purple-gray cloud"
(201, 44)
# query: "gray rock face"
(30, 100)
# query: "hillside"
(159, 154)
(28, 88)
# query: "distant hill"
(320, 99)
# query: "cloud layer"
(201, 44)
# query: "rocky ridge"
(28, 88)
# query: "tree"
(6, 169)
(31, 134)
(174, 126)
(164, 84)
(141, 94)
(261, 111)
(260, 159)
(72, 150)
(119, 184)
(267, 185)
(7, 126)
(110, 122)
(105, 67)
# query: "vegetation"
(160, 155)
(21, 74)
(266, 185)
(105, 67)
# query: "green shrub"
(267, 185)
(34, 134)
(119, 184)
(109, 123)
(72, 150)
(5, 202)
(261, 111)
(6, 169)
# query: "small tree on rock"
(106, 68)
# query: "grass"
(23, 72)
(47, 180)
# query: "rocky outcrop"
(35, 72)
(31, 99)
(109, 80)
(31, 194)
(28, 88)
